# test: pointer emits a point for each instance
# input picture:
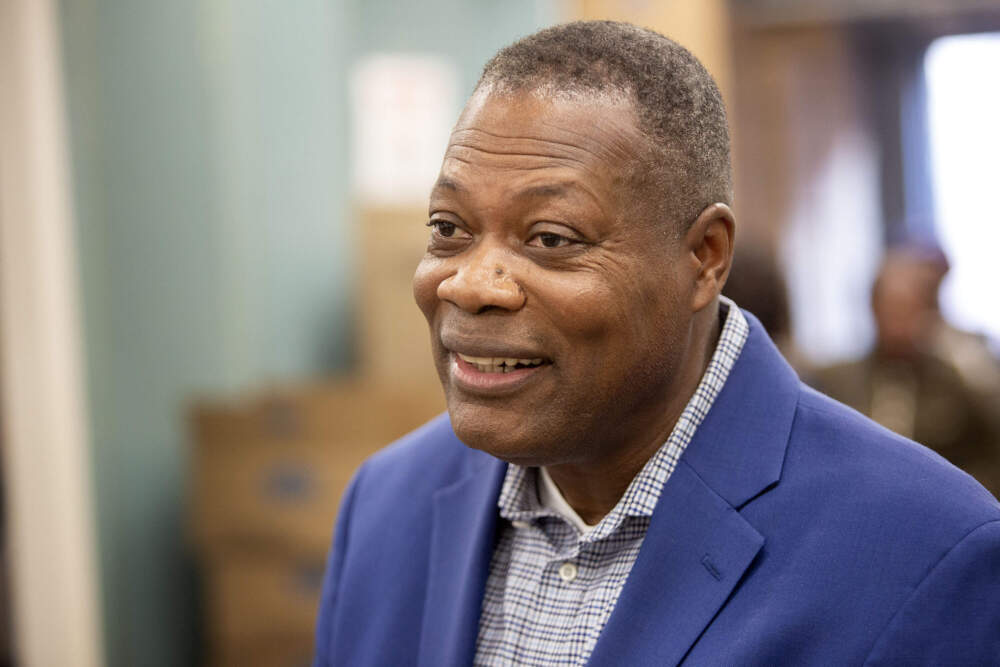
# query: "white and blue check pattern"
(533, 615)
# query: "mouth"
(494, 376)
(499, 364)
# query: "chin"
(493, 437)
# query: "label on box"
(289, 483)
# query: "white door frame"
(46, 462)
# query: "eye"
(447, 235)
(550, 240)
(443, 228)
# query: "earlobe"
(711, 237)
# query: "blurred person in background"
(629, 473)
(924, 378)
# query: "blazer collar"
(698, 546)
(739, 448)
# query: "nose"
(482, 281)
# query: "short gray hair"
(677, 102)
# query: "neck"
(593, 489)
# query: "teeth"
(497, 364)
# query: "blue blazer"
(794, 531)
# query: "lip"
(467, 377)
(480, 346)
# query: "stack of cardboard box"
(268, 470)
(268, 475)
(394, 344)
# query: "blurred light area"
(831, 251)
(403, 108)
(963, 98)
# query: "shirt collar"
(519, 499)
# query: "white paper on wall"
(403, 108)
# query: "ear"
(710, 239)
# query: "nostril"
(478, 289)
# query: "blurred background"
(210, 212)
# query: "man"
(629, 473)
(914, 381)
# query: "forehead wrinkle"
(614, 141)
(544, 190)
(532, 144)
(536, 160)
(513, 153)
(529, 137)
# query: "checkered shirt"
(550, 589)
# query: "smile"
(495, 376)
(498, 364)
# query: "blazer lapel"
(462, 541)
(698, 546)
(689, 563)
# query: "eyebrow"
(544, 190)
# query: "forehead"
(588, 135)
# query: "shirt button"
(567, 571)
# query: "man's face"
(560, 315)
(904, 303)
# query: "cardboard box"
(270, 471)
(261, 608)
(260, 594)
(394, 340)
(271, 652)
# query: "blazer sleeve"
(326, 619)
(953, 615)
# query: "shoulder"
(413, 468)
(376, 574)
(873, 534)
(832, 442)
(951, 616)
(896, 500)
(390, 504)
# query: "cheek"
(635, 325)
(426, 279)
(616, 300)
(581, 307)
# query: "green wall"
(210, 172)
